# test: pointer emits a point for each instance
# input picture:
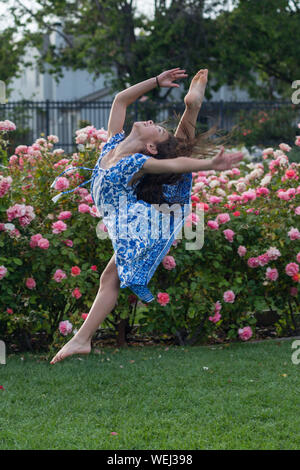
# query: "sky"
(144, 6)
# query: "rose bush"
(267, 126)
(51, 257)
(250, 259)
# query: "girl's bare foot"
(196, 91)
(72, 347)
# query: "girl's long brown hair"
(150, 186)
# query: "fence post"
(47, 118)
(221, 114)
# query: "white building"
(75, 85)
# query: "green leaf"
(17, 261)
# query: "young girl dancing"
(147, 168)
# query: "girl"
(148, 167)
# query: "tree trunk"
(121, 333)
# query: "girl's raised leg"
(193, 101)
(104, 302)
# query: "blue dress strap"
(55, 198)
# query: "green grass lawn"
(240, 396)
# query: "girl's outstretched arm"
(129, 95)
(220, 162)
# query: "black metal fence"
(63, 118)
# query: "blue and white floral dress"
(141, 234)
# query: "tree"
(110, 37)
(261, 37)
(11, 54)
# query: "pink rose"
(30, 283)
(76, 293)
(3, 272)
(83, 208)
(43, 243)
(229, 296)
(59, 227)
(192, 218)
(75, 271)
(294, 234)
(263, 259)
(262, 191)
(21, 149)
(283, 195)
(291, 269)
(245, 333)
(215, 199)
(215, 318)
(62, 183)
(285, 147)
(242, 250)
(64, 215)
(52, 138)
(34, 240)
(84, 315)
(268, 151)
(15, 233)
(163, 298)
(223, 218)
(89, 199)
(290, 174)
(273, 253)
(169, 262)
(5, 184)
(17, 210)
(253, 262)
(94, 267)
(59, 275)
(68, 242)
(7, 125)
(229, 234)
(294, 291)
(272, 274)
(249, 195)
(212, 224)
(65, 327)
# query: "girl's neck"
(128, 146)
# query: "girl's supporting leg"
(104, 302)
(193, 101)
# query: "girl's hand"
(226, 161)
(165, 79)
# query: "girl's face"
(150, 132)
